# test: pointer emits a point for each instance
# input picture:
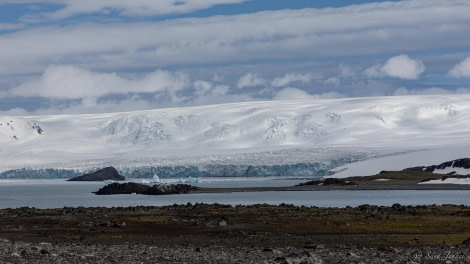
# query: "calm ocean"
(60, 193)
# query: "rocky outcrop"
(458, 163)
(137, 188)
(108, 173)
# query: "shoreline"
(386, 180)
(362, 187)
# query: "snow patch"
(453, 170)
(448, 181)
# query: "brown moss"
(258, 224)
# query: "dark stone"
(330, 181)
(108, 173)
(281, 260)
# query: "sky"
(95, 56)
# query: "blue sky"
(90, 56)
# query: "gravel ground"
(21, 252)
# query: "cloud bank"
(70, 82)
(290, 78)
(250, 80)
(83, 55)
(271, 35)
(72, 8)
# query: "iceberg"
(190, 180)
(155, 180)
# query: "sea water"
(61, 193)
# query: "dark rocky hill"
(108, 173)
(458, 163)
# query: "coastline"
(359, 187)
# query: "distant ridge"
(458, 167)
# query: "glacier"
(268, 138)
(301, 163)
(300, 169)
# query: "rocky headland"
(137, 188)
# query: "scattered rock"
(304, 257)
(466, 241)
(222, 222)
(314, 246)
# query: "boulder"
(108, 173)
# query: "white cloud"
(74, 90)
(70, 82)
(123, 7)
(218, 50)
(429, 91)
(291, 78)
(461, 70)
(291, 93)
(374, 71)
(10, 26)
(202, 87)
(332, 81)
(132, 103)
(401, 66)
(250, 80)
(15, 112)
(346, 70)
(354, 30)
(221, 89)
(217, 78)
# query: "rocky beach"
(201, 233)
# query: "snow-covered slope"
(381, 124)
